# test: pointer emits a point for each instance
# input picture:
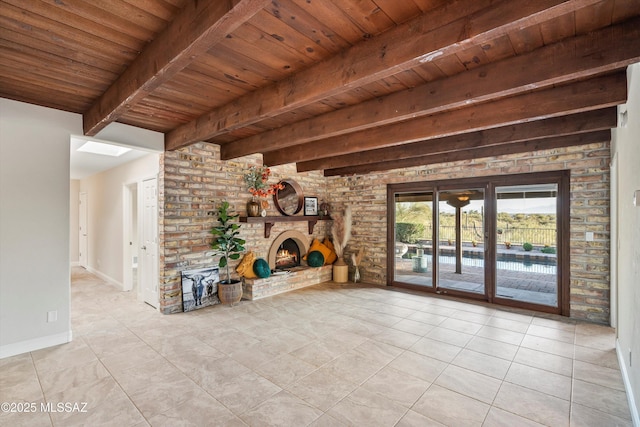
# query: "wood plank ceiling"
(344, 86)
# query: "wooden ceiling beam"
(477, 153)
(199, 26)
(578, 58)
(442, 32)
(593, 94)
(557, 126)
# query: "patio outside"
(522, 275)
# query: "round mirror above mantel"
(289, 199)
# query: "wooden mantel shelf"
(268, 221)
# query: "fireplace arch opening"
(294, 239)
(288, 255)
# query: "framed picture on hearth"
(311, 206)
(199, 288)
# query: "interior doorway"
(501, 239)
(83, 233)
(130, 237)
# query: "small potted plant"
(227, 244)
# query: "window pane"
(414, 238)
(461, 237)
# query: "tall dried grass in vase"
(357, 259)
(341, 232)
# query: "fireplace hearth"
(287, 248)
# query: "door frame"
(614, 245)
(561, 177)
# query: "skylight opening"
(94, 147)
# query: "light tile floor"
(327, 355)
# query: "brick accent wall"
(589, 166)
(193, 181)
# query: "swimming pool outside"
(548, 266)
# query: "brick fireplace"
(294, 236)
(284, 281)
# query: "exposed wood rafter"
(462, 24)
(199, 26)
(578, 58)
(577, 97)
(478, 153)
(344, 86)
(558, 126)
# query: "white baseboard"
(635, 418)
(106, 278)
(34, 344)
(75, 264)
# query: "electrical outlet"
(52, 316)
(589, 236)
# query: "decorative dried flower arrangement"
(341, 232)
(256, 181)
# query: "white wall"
(34, 225)
(105, 227)
(132, 136)
(626, 145)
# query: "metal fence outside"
(515, 236)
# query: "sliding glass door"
(461, 240)
(498, 239)
(526, 243)
(413, 241)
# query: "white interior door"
(83, 244)
(148, 257)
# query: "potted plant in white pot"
(229, 246)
